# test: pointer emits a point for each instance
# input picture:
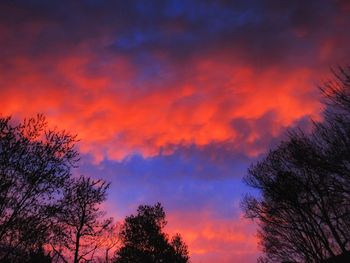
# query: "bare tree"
(304, 205)
(108, 243)
(35, 163)
(80, 222)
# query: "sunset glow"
(173, 100)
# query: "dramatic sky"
(173, 100)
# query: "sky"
(173, 100)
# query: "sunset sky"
(173, 100)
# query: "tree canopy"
(35, 163)
(47, 214)
(304, 205)
(144, 241)
(42, 206)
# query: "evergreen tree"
(143, 240)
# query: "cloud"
(211, 238)
(126, 69)
(115, 117)
(172, 100)
(201, 203)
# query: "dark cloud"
(261, 31)
(174, 99)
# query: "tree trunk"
(77, 244)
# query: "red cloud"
(213, 239)
(115, 116)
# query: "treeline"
(303, 205)
(303, 209)
(48, 215)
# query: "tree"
(35, 163)
(39, 256)
(180, 249)
(304, 205)
(143, 240)
(79, 221)
(109, 242)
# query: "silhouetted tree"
(35, 163)
(79, 222)
(180, 249)
(109, 242)
(304, 205)
(143, 240)
(38, 256)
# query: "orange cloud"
(215, 239)
(115, 116)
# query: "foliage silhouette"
(304, 207)
(45, 213)
(38, 256)
(35, 164)
(143, 240)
